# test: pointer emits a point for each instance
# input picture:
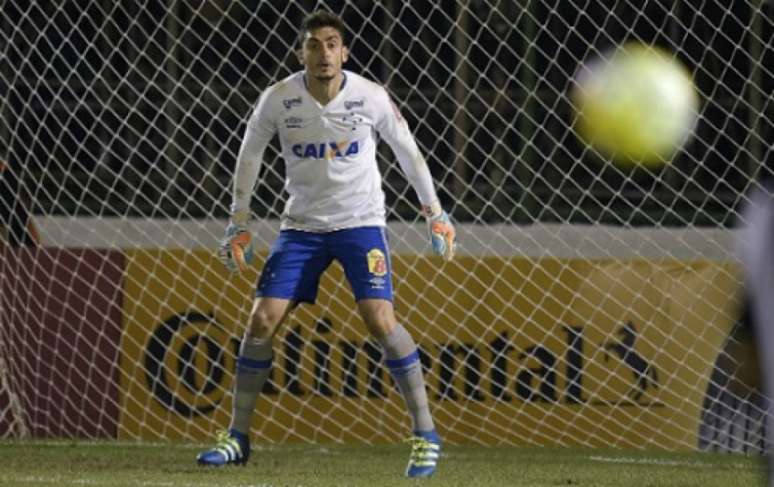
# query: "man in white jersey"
(327, 120)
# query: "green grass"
(107, 464)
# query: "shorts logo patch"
(377, 282)
(377, 264)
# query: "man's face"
(323, 53)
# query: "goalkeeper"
(327, 120)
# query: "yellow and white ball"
(637, 105)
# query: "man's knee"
(378, 316)
(265, 319)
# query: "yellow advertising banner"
(516, 351)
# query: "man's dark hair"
(321, 19)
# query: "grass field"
(109, 464)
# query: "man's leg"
(255, 358)
(253, 368)
(290, 275)
(365, 255)
(402, 359)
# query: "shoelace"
(223, 437)
(225, 441)
(422, 450)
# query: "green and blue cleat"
(233, 448)
(425, 450)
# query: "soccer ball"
(636, 105)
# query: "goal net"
(590, 304)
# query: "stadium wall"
(553, 319)
(62, 325)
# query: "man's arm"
(237, 248)
(394, 129)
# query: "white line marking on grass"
(128, 444)
(90, 443)
(139, 483)
(651, 461)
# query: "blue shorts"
(297, 260)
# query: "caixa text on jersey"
(326, 150)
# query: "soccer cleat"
(425, 450)
(233, 448)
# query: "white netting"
(590, 305)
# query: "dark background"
(137, 108)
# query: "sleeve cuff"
(432, 210)
(240, 217)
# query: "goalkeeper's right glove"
(237, 249)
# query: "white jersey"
(332, 177)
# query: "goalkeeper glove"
(441, 231)
(237, 249)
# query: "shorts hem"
(295, 299)
(386, 298)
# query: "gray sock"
(253, 368)
(403, 361)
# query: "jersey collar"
(341, 89)
(343, 82)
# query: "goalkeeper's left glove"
(237, 249)
(441, 231)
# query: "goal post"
(12, 414)
(590, 305)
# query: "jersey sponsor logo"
(289, 103)
(350, 104)
(326, 150)
(377, 263)
(293, 122)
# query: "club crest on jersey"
(326, 150)
(350, 104)
(289, 103)
(377, 263)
